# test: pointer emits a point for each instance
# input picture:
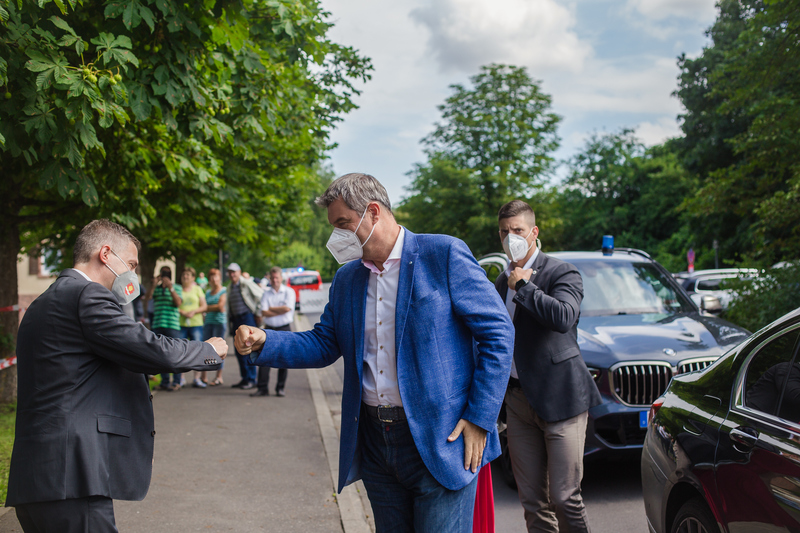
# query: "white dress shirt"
(511, 306)
(379, 383)
(284, 296)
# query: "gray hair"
(97, 234)
(357, 191)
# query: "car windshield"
(303, 280)
(624, 288)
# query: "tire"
(694, 516)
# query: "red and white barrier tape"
(5, 363)
(9, 308)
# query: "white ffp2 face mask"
(345, 245)
(516, 247)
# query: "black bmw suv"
(638, 328)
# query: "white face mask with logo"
(517, 247)
(126, 286)
(345, 245)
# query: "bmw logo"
(670, 352)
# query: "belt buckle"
(380, 416)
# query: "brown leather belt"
(385, 413)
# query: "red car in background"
(299, 279)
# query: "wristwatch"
(521, 283)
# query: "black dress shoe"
(248, 385)
(238, 385)
(260, 393)
(279, 392)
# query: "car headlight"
(595, 372)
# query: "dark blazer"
(84, 412)
(554, 377)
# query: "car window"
(709, 284)
(620, 287)
(772, 382)
(303, 280)
(492, 270)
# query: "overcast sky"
(607, 64)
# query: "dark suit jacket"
(554, 377)
(84, 412)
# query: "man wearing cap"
(244, 302)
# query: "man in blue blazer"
(427, 346)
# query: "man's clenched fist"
(219, 345)
(248, 338)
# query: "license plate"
(643, 419)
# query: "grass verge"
(8, 415)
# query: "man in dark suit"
(550, 390)
(84, 430)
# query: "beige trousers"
(547, 460)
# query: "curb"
(350, 503)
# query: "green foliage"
(493, 145)
(618, 187)
(741, 119)
(760, 302)
(8, 416)
(195, 125)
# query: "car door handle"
(745, 436)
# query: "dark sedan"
(722, 452)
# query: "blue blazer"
(454, 342)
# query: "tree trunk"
(9, 295)
(180, 264)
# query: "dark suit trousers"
(94, 514)
(263, 371)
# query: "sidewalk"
(227, 462)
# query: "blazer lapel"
(407, 265)
(359, 292)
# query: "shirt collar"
(394, 256)
(82, 273)
(528, 264)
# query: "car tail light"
(595, 374)
(654, 409)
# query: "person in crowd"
(167, 299)
(419, 406)
(84, 428)
(550, 390)
(191, 310)
(202, 280)
(277, 310)
(216, 318)
(244, 303)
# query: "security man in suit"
(550, 390)
(426, 346)
(84, 430)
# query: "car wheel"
(694, 517)
(505, 463)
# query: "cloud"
(652, 133)
(664, 9)
(465, 34)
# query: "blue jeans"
(405, 496)
(247, 370)
(214, 330)
(175, 334)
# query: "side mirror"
(710, 304)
